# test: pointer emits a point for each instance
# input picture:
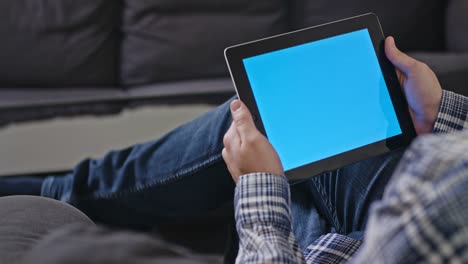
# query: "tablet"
(325, 96)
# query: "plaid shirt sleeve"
(263, 220)
(452, 114)
(423, 216)
(424, 210)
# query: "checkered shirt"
(422, 218)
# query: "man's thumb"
(402, 61)
(243, 120)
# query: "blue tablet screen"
(322, 98)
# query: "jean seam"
(176, 176)
(328, 205)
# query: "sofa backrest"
(184, 39)
(457, 26)
(51, 43)
(416, 24)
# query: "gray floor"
(56, 145)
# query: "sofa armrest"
(457, 26)
(450, 68)
(24, 220)
(85, 244)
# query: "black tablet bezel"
(234, 58)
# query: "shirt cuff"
(452, 114)
(331, 248)
(263, 198)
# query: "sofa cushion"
(457, 26)
(183, 39)
(26, 104)
(58, 43)
(416, 24)
(182, 89)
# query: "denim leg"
(308, 224)
(182, 174)
(343, 197)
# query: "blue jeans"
(182, 174)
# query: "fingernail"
(236, 105)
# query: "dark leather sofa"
(71, 57)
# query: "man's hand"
(246, 150)
(420, 85)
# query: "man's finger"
(229, 137)
(225, 155)
(402, 61)
(243, 120)
(227, 158)
(230, 163)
